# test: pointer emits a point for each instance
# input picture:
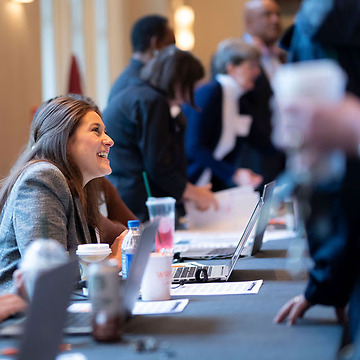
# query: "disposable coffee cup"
(164, 210)
(308, 82)
(156, 282)
(91, 253)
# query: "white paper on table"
(159, 307)
(141, 307)
(275, 234)
(218, 288)
(72, 356)
(235, 208)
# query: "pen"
(251, 286)
(175, 305)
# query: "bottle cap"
(133, 223)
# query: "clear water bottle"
(128, 246)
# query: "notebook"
(50, 302)
(217, 272)
(224, 247)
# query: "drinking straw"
(147, 187)
(146, 181)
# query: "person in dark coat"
(149, 136)
(216, 133)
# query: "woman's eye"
(96, 129)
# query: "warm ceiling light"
(185, 40)
(184, 21)
(184, 16)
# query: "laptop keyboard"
(185, 272)
(78, 319)
(224, 251)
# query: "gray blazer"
(40, 205)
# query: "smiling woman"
(89, 147)
(51, 191)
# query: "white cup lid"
(93, 249)
(160, 201)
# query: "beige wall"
(20, 76)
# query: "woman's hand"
(11, 304)
(202, 196)
(116, 248)
(246, 177)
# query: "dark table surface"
(231, 326)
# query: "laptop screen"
(264, 217)
(244, 237)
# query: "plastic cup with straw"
(163, 208)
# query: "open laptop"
(41, 329)
(217, 272)
(263, 218)
(191, 249)
(53, 290)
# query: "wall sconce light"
(184, 21)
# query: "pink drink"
(165, 236)
(164, 210)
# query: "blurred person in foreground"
(150, 137)
(216, 132)
(331, 29)
(41, 255)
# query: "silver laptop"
(217, 272)
(263, 218)
(189, 249)
(41, 329)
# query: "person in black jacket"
(216, 133)
(150, 137)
